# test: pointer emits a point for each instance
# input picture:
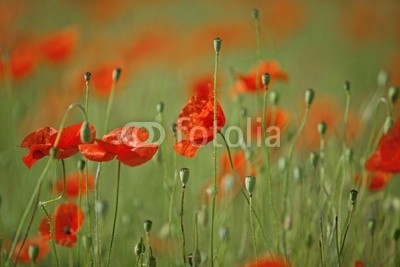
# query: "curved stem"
(115, 213)
(182, 226)
(42, 203)
(346, 230)
(53, 243)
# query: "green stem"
(253, 234)
(337, 241)
(346, 230)
(109, 106)
(42, 203)
(346, 118)
(115, 213)
(52, 231)
(97, 198)
(87, 98)
(182, 226)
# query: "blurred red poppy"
(58, 47)
(23, 256)
(42, 140)
(268, 261)
(275, 117)
(376, 181)
(359, 263)
(127, 144)
(196, 122)
(387, 156)
(247, 83)
(74, 184)
(68, 219)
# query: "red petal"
(70, 136)
(68, 220)
(138, 156)
(185, 148)
(24, 254)
(95, 152)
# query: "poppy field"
(200, 133)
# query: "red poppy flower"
(68, 219)
(246, 83)
(126, 144)
(23, 256)
(387, 156)
(274, 117)
(377, 180)
(359, 263)
(268, 261)
(102, 80)
(42, 140)
(58, 47)
(196, 121)
(72, 185)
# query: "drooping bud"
(184, 175)
(353, 197)
(85, 133)
(371, 226)
(347, 85)
(255, 13)
(87, 76)
(273, 97)
(147, 225)
(297, 173)
(322, 127)
(33, 252)
(224, 234)
(383, 78)
(250, 182)
(393, 94)
(116, 74)
(314, 158)
(139, 248)
(160, 107)
(217, 45)
(266, 78)
(80, 164)
(389, 121)
(309, 97)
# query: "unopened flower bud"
(184, 175)
(393, 93)
(255, 13)
(353, 196)
(81, 165)
(33, 252)
(396, 234)
(224, 234)
(348, 154)
(116, 74)
(152, 261)
(273, 97)
(250, 182)
(266, 78)
(297, 173)
(217, 45)
(140, 248)
(388, 124)
(314, 158)
(87, 76)
(383, 78)
(160, 107)
(85, 133)
(309, 97)
(282, 163)
(322, 127)
(372, 226)
(347, 85)
(243, 111)
(147, 225)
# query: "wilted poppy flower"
(23, 257)
(58, 46)
(68, 219)
(274, 117)
(126, 144)
(387, 156)
(268, 261)
(196, 122)
(247, 83)
(42, 140)
(376, 181)
(72, 185)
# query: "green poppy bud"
(314, 158)
(147, 225)
(101, 207)
(160, 107)
(383, 78)
(224, 234)
(250, 182)
(372, 226)
(184, 175)
(282, 163)
(273, 97)
(85, 133)
(393, 93)
(81, 165)
(33, 252)
(348, 154)
(322, 127)
(152, 261)
(266, 78)
(87, 76)
(255, 13)
(116, 74)
(309, 97)
(353, 196)
(217, 45)
(140, 248)
(347, 85)
(297, 173)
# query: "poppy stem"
(87, 87)
(28, 207)
(182, 225)
(42, 203)
(252, 228)
(321, 244)
(109, 105)
(259, 54)
(88, 203)
(53, 243)
(115, 213)
(346, 118)
(337, 241)
(350, 216)
(97, 198)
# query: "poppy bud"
(353, 196)
(147, 225)
(348, 154)
(160, 107)
(33, 252)
(383, 78)
(393, 93)
(184, 175)
(81, 165)
(87, 242)
(282, 163)
(140, 248)
(224, 234)
(116, 74)
(152, 261)
(53, 152)
(255, 13)
(197, 257)
(87, 76)
(243, 111)
(314, 158)
(396, 234)
(297, 173)
(174, 128)
(309, 97)
(388, 124)
(273, 97)
(322, 127)
(85, 133)
(250, 182)
(101, 207)
(266, 78)
(347, 85)
(217, 45)
(372, 226)
(249, 154)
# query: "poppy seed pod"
(353, 196)
(85, 133)
(371, 226)
(81, 165)
(160, 107)
(255, 13)
(273, 97)
(140, 248)
(314, 158)
(87, 76)
(309, 97)
(322, 127)
(147, 225)
(217, 45)
(383, 78)
(347, 85)
(184, 175)
(250, 182)
(389, 121)
(116, 74)
(266, 78)
(393, 93)
(33, 252)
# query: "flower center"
(67, 230)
